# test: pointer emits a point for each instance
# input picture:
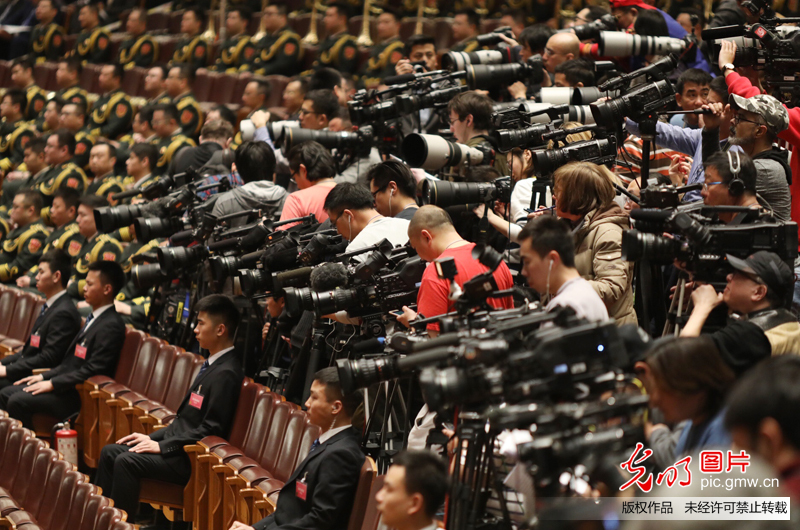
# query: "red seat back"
(292, 435)
(91, 512)
(272, 445)
(83, 491)
(162, 372)
(145, 363)
(128, 355)
(38, 478)
(8, 300)
(259, 424)
(49, 496)
(24, 470)
(183, 374)
(244, 411)
(23, 317)
(310, 433)
(107, 517)
(67, 497)
(10, 461)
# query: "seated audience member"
(54, 328)
(96, 246)
(758, 291)
(94, 351)
(313, 170)
(319, 494)
(687, 379)
(22, 247)
(207, 410)
(762, 417)
(255, 162)
(548, 257)
(413, 490)
(394, 189)
(351, 209)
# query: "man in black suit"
(319, 494)
(94, 351)
(207, 410)
(54, 329)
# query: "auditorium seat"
(371, 516)
(83, 492)
(159, 416)
(88, 419)
(355, 23)
(252, 26)
(363, 57)
(89, 78)
(409, 25)
(8, 300)
(51, 67)
(203, 85)
(68, 496)
(490, 24)
(443, 33)
(11, 455)
(91, 512)
(309, 56)
(133, 80)
(364, 494)
(302, 22)
(174, 24)
(166, 48)
(158, 22)
(5, 73)
(56, 481)
(224, 87)
(278, 85)
(41, 75)
(22, 320)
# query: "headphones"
(736, 185)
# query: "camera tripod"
(387, 435)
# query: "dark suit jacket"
(103, 341)
(56, 329)
(219, 385)
(331, 475)
(195, 157)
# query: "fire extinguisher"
(66, 442)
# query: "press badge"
(196, 400)
(36, 340)
(80, 351)
(301, 488)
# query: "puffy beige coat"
(598, 258)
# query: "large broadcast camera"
(485, 76)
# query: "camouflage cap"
(770, 109)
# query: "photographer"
(394, 189)
(351, 208)
(548, 257)
(721, 169)
(691, 92)
(432, 234)
(471, 121)
(313, 170)
(560, 48)
(418, 49)
(209, 155)
(756, 123)
(757, 290)
(255, 162)
(687, 379)
(575, 73)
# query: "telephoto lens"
(173, 259)
(110, 218)
(362, 373)
(573, 96)
(508, 139)
(457, 61)
(147, 275)
(481, 76)
(658, 249)
(149, 228)
(579, 113)
(618, 44)
(599, 151)
(432, 152)
(328, 139)
(638, 102)
(376, 112)
(607, 22)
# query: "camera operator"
(687, 379)
(255, 162)
(419, 49)
(318, 109)
(626, 12)
(548, 256)
(756, 123)
(757, 290)
(691, 92)
(470, 123)
(560, 48)
(313, 170)
(575, 73)
(413, 490)
(690, 141)
(721, 169)
(394, 189)
(209, 155)
(351, 208)
(762, 417)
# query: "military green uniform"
(13, 139)
(93, 46)
(112, 115)
(277, 54)
(339, 52)
(190, 115)
(5, 228)
(84, 141)
(138, 51)
(191, 50)
(74, 94)
(68, 238)
(382, 60)
(66, 175)
(233, 53)
(36, 100)
(161, 99)
(106, 187)
(22, 249)
(47, 43)
(168, 148)
(101, 247)
(467, 45)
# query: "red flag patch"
(72, 182)
(74, 248)
(121, 110)
(109, 256)
(186, 116)
(34, 245)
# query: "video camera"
(485, 76)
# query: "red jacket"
(741, 86)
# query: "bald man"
(561, 47)
(432, 234)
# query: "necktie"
(88, 320)
(39, 318)
(314, 446)
(44, 308)
(202, 369)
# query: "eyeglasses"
(707, 185)
(303, 111)
(453, 121)
(379, 190)
(738, 118)
(334, 221)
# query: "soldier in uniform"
(73, 118)
(15, 133)
(339, 49)
(23, 246)
(155, 85)
(97, 246)
(254, 97)
(22, 77)
(237, 50)
(139, 49)
(62, 173)
(112, 114)
(68, 76)
(279, 52)
(49, 119)
(169, 139)
(105, 184)
(179, 88)
(94, 43)
(47, 37)
(20, 178)
(466, 27)
(66, 236)
(192, 49)
(384, 56)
